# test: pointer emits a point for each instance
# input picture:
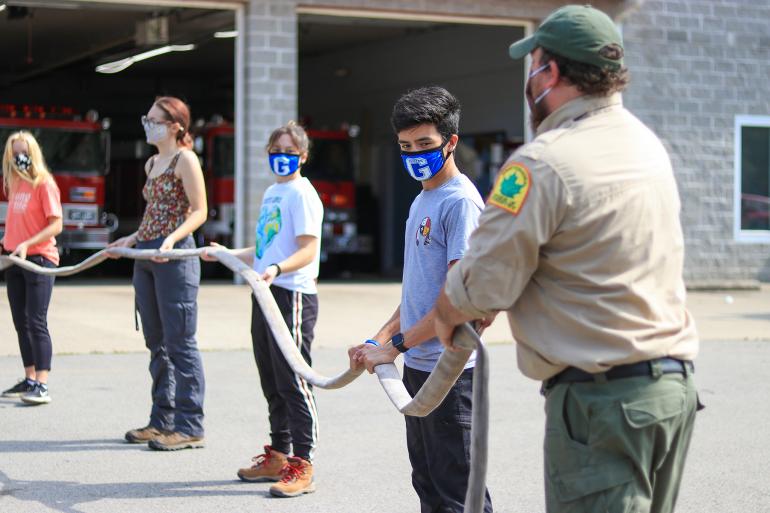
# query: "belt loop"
(656, 369)
(686, 369)
(600, 378)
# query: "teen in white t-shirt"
(287, 255)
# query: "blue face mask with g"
(424, 165)
(284, 164)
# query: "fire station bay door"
(353, 65)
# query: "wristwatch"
(398, 343)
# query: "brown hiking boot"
(176, 441)
(297, 479)
(267, 467)
(142, 435)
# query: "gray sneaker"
(20, 388)
(38, 395)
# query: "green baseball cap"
(577, 32)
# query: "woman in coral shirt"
(34, 218)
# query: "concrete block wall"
(695, 65)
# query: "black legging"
(29, 295)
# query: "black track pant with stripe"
(290, 401)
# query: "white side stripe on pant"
(301, 383)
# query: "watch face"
(398, 342)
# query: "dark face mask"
(22, 162)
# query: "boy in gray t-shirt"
(440, 222)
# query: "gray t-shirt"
(440, 222)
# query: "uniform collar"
(579, 107)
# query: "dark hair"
(589, 79)
(177, 111)
(428, 105)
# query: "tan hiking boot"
(297, 479)
(142, 435)
(176, 441)
(267, 467)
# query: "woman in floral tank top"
(167, 292)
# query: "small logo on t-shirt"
(20, 202)
(423, 232)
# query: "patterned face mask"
(22, 162)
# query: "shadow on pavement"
(106, 444)
(65, 496)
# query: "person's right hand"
(355, 363)
(123, 242)
(208, 254)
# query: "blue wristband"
(372, 342)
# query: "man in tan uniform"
(580, 242)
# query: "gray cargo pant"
(166, 297)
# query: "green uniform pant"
(618, 446)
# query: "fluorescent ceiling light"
(224, 34)
(120, 65)
(2, 7)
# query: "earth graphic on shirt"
(268, 227)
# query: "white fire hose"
(432, 393)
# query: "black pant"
(29, 295)
(166, 297)
(290, 401)
(440, 446)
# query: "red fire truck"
(76, 150)
(329, 167)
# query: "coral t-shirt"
(29, 208)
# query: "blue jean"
(166, 297)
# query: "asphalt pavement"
(69, 456)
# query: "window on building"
(752, 178)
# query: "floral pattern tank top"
(167, 204)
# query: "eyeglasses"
(150, 123)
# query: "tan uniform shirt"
(581, 243)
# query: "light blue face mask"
(544, 93)
(284, 164)
(424, 165)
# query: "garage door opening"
(351, 71)
(88, 121)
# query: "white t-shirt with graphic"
(289, 209)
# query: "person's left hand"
(167, 245)
(269, 275)
(21, 250)
(372, 356)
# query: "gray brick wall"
(695, 65)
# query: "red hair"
(177, 111)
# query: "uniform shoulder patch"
(511, 188)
